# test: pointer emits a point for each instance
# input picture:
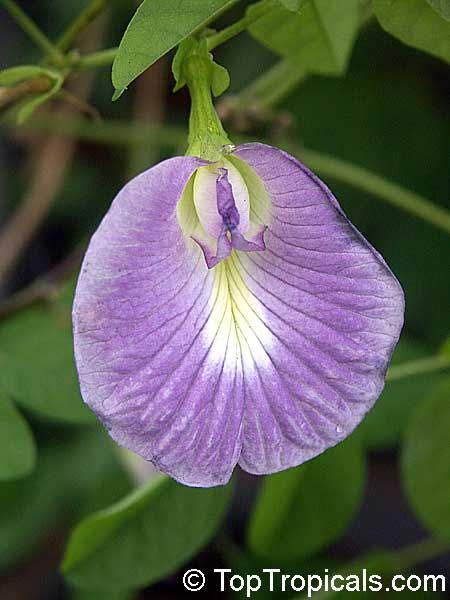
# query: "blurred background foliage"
(378, 501)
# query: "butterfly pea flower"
(229, 313)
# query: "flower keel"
(222, 202)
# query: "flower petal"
(155, 343)
(240, 194)
(256, 241)
(214, 250)
(319, 313)
(205, 201)
(271, 356)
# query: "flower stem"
(418, 367)
(206, 134)
(259, 10)
(377, 185)
(96, 59)
(81, 22)
(34, 33)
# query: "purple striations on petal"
(267, 359)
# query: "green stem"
(96, 59)
(81, 22)
(123, 133)
(258, 11)
(418, 367)
(273, 85)
(105, 132)
(377, 185)
(406, 558)
(34, 33)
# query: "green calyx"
(194, 66)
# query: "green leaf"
(301, 511)
(157, 27)
(416, 24)
(426, 459)
(28, 108)
(79, 594)
(184, 49)
(16, 75)
(29, 507)
(442, 7)
(445, 347)
(145, 537)
(67, 470)
(94, 477)
(220, 80)
(319, 38)
(37, 367)
(17, 447)
(384, 425)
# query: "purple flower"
(230, 313)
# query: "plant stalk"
(95, 60)
(259, 10)
(80, 23)
(123, 133)
(418, 367)
(34, 33)
(378, 186)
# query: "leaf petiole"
(259, 10)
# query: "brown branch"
(149, 109)
(49, 171)
(50, 166)
(38, 85)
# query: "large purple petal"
(324, 312)
(271, 356)
(155, 342)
